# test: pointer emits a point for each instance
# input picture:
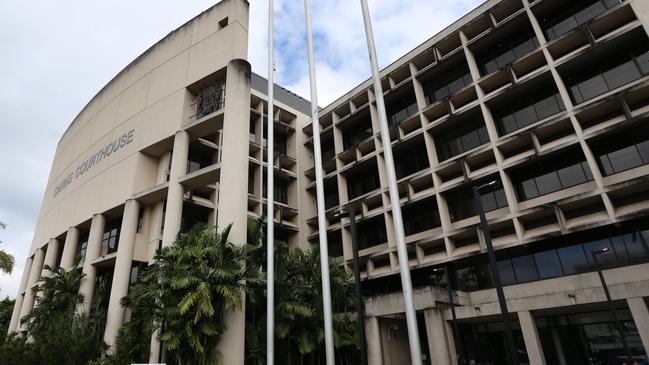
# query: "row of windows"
(624, 249)
(401, 109)
(356, 134)
(616, 153)
(507, 51)
(465, 137)
(362, 180)
(461, 204)
(575, 14)
(599, 77)
(452, 80)
(527, 110)
(280, 189)
(623, 151)
(551, 174)
(420, 216)
(410, 160)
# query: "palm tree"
(298, 307)
(6, 260)
(188, 289)
(60, 335)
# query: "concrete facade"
(548, 97)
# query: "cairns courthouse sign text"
(105, 152)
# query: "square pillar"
(640, 314)
(157, 214)
(51, 254)
(531, 337)
(34, 276)
(176, 193)
(441, 353)
(233, 196)
(70, 248)
(373, 334)
(122, 271)
(87, 286)
(15, 315)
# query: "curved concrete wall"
(97, 158)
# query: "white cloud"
(54, 56)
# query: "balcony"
(461, 204)
(504, 45)
(362, 179)
(526, 104)
(445, 80)
(410, 157)
(622, 150)
(608, 67)
(400, 105)
(460, 134)
(570, 15)
(561, 171)
(420, 216)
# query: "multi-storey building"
(549, 98)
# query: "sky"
(55, 55)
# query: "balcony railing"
(211, 99)
(577, 16)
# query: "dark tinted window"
(506, 272)
(623, 151)
(548, 264)
(82, 247)
(110, 237)
(525, 268)
(600, 74)
(421, 216)
(401, 107)
(371, 232)
(512, 115)
(507, 50)
(362, 180)
(446, 83)
(355, 132)
(572, 14)
(550, 175)
(636, 244)
(335, 244)
(573, 259)
(410, 159)
(461, 136)
(461, 205)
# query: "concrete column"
(51, 254)
(15, 315)
(640, 314)
(70, 248)
(440, 351)
(87, 287)
(233, 199)
(175, 195)
(34, 275)
(122, 271)
(641, 9)
(531, 337)
(373, 333)
(157, 212)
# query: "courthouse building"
(550, 98)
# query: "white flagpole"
(270, 221)
(322, 226)
(406, 284)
